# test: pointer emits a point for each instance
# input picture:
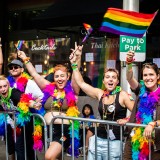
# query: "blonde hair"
(3, 78)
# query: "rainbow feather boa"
(72, 111)
(37, 135)
(144, 115)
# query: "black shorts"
(57, 134)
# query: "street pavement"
(40, 155)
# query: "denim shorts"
(102, 149)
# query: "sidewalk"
(40, 155)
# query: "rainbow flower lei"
(72, 111)
(37, 135)
(144, 115)
(116, 90)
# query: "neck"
(16, 77)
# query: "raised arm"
(1, 57)
(41, 82)
(129, 71)
(88, 89)
(78, 53)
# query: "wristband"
(0, 45)
(127, 118)
(153, 125)
(129, 66)
(26, 62)
(129, 61)
(26, 59)
(74, 66)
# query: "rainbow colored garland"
(72, 111)
(116, 90)
(144, 115)
(37, 135)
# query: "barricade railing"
(96, 122)
(14, 130)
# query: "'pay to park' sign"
(138, 45)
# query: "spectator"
(59, 99)
(113, 104)
(11, 99)
(87, 112)
(146, 111)
(22, 81)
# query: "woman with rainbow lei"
(11, 99)
(146, 111)
(59, 99)
(113, 104)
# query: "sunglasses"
(13, 67)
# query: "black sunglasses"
(13, 67)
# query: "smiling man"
(23, 82)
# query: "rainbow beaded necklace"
(144, 115)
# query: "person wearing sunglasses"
(22, 81)
(142, 141)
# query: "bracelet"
(129, 66)
(74, 66)
(153, 125)
(129, 61)
(0, 45)
(26, 59)
(127, 118)
(26, 62)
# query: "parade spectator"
(146, 111)
(11, 99)
(113, 104)
(23, 82)
(59, 99)
(87, 112)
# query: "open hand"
(76, 53)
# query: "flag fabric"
(123, 22)
(19, 44)
(89, 30)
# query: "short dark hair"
(87, 106)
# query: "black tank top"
(118, 113)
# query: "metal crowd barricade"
(14, 119)
(95, 121)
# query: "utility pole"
(131, 5)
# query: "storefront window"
(45, 53)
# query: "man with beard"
(22, 81)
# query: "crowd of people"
(60, 96)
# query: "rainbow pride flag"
(19, 44)
(123, 22)
(89, 30)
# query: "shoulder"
(123, 93)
